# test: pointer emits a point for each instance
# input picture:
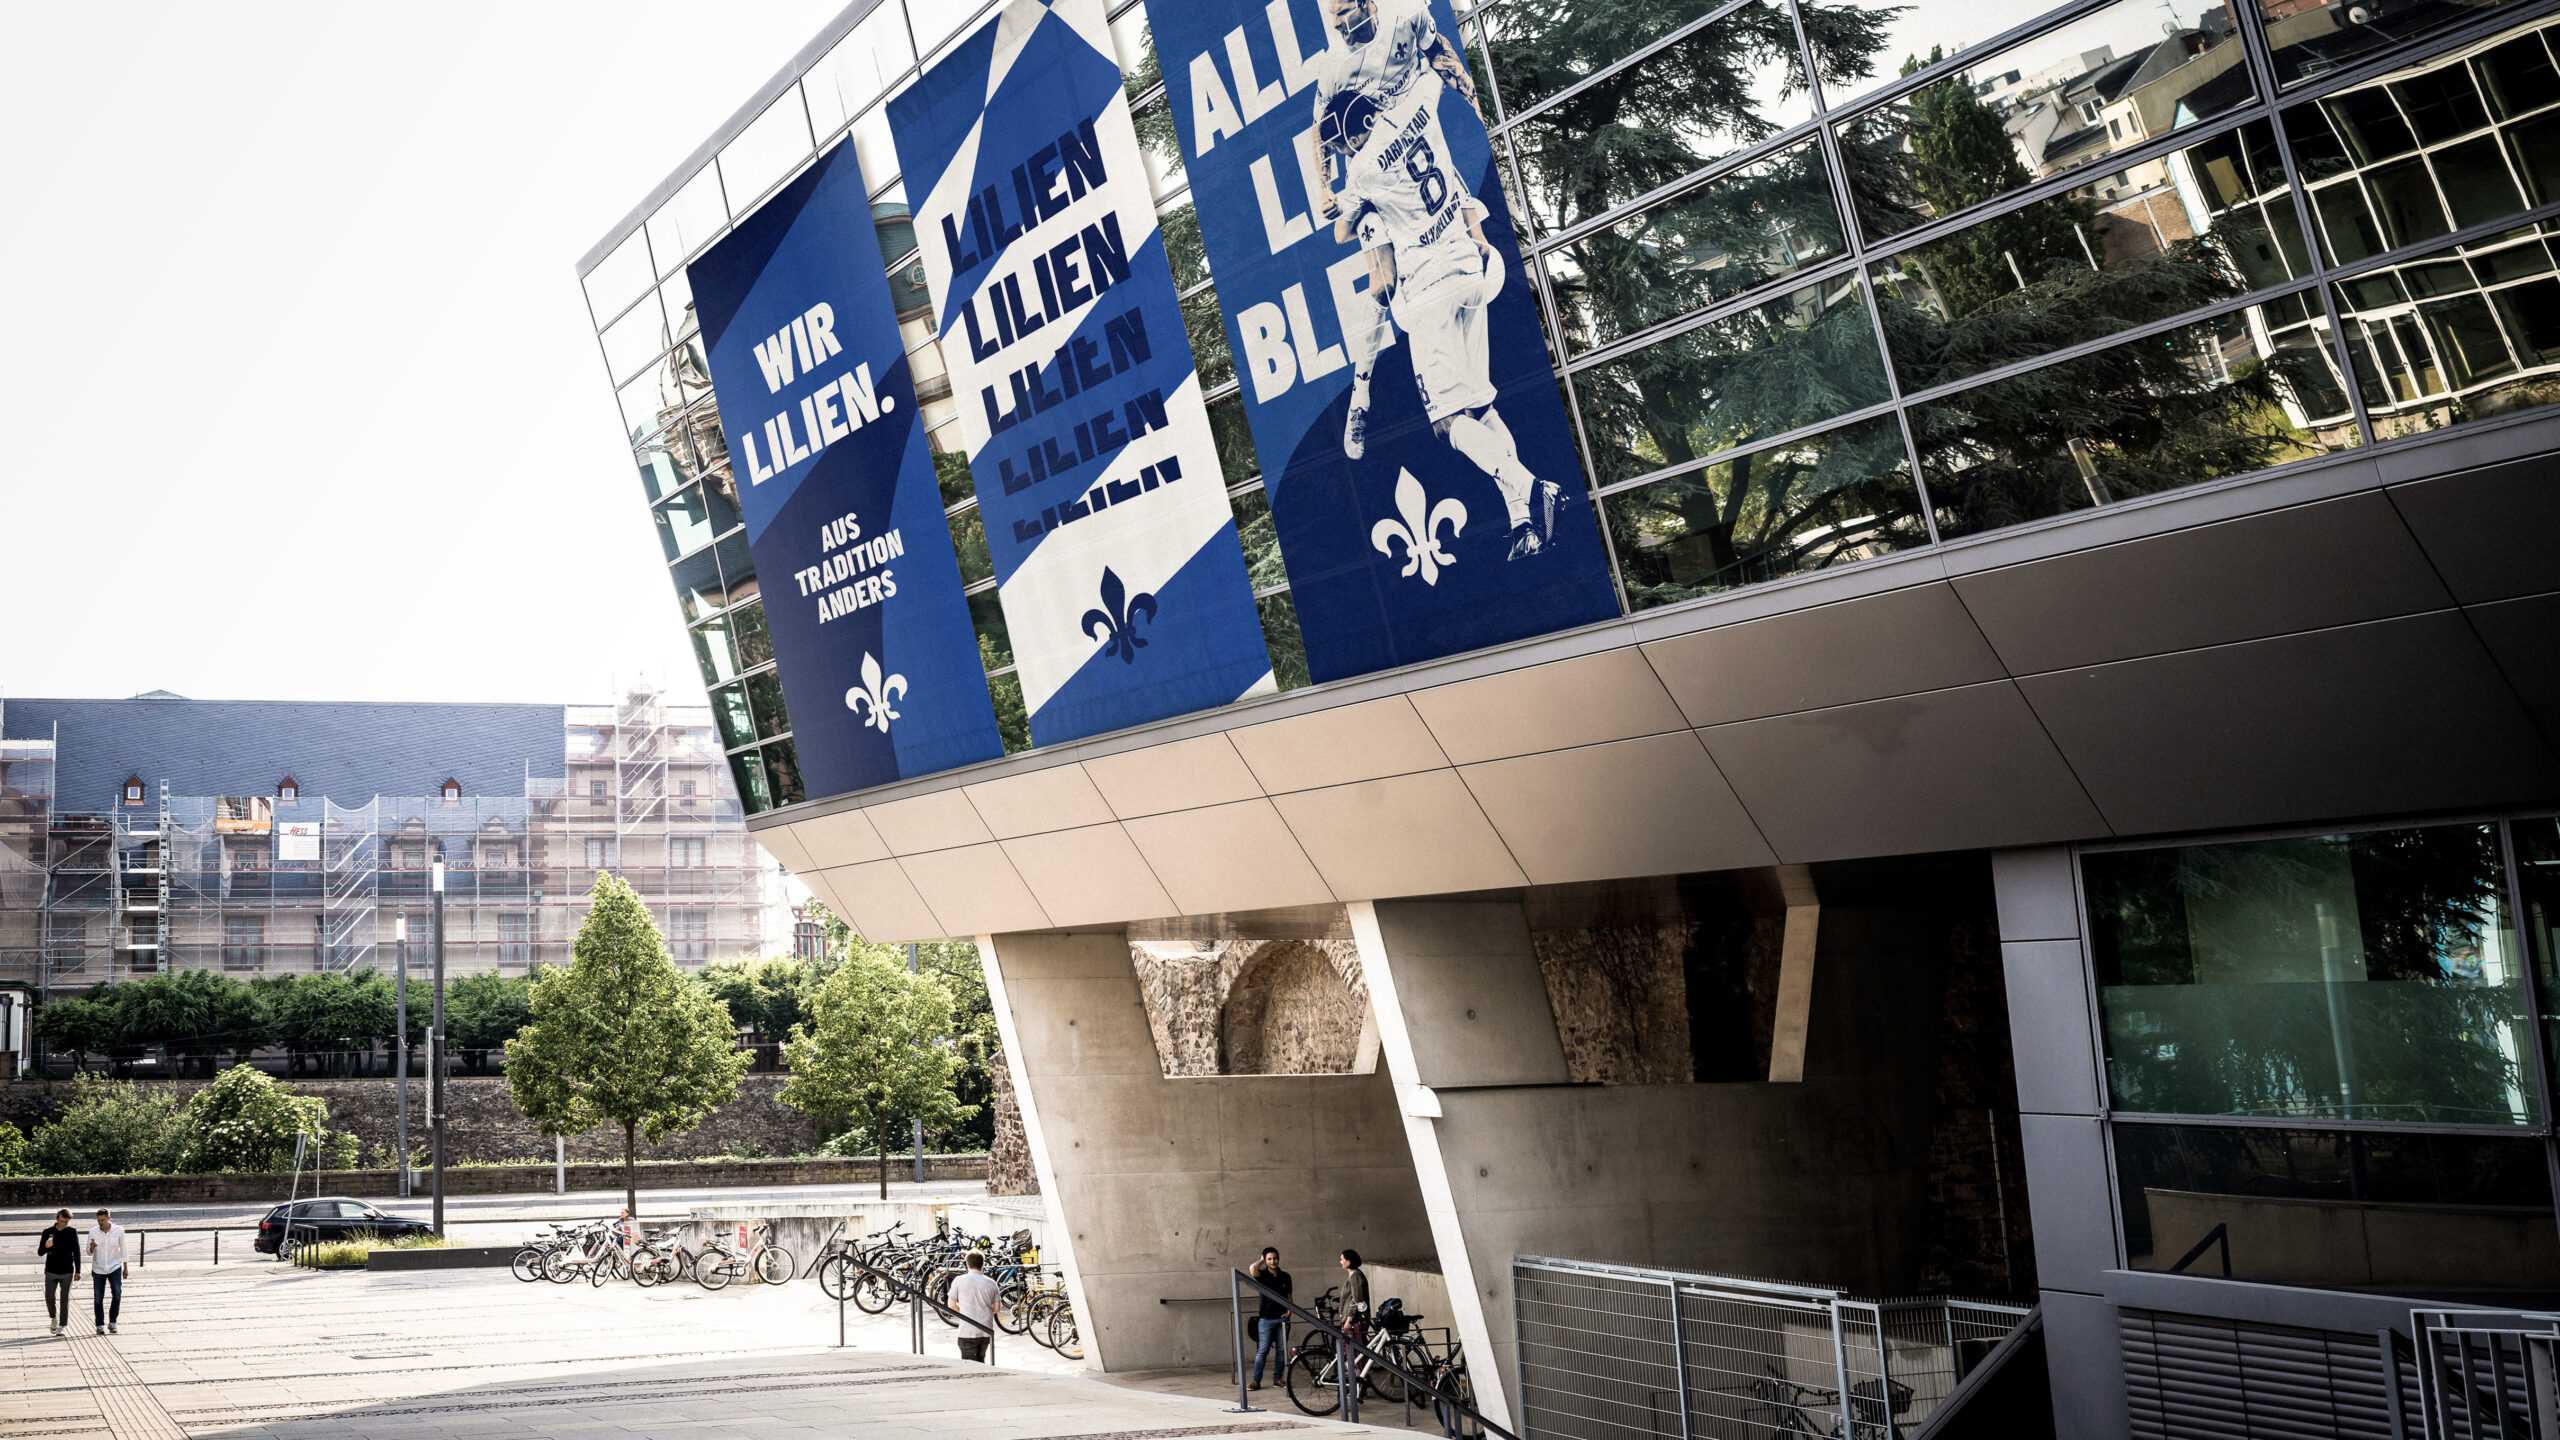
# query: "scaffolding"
(274, 885)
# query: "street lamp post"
(919, 1127)
(400, 1033)
(435, 1049)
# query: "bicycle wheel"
(1035, 1318)
(1454, 1390)
(1386, 1384)
(1064, 1337)
(833, 1270)
(1311, 1380)
(600, 1272)
(647, 1267)
(560, 1269)
(871, 1292)
(1011, 1304)
(939, 1290)
(527, 1266)
(714, 1272)
(773, 1265)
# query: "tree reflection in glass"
(2371, 976)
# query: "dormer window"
(288, 788)
(133, 789)
(451, 790)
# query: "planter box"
(451, 1257)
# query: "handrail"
(854, 1268)
(1414, 1384)
(2220, 1235)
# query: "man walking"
(1271, 1316)
(60, 1247)
(975, 1296)
(106, 1271)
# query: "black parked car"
(330, 1218)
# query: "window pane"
(1208, 328)
(1825, 501)
(2475, 178)
(698, 582)
(1540, 49)
(684, 523)
(969, 540)
(1261, 538)
(2517, 74)
(876, 151)
(938, 20)
(692, 217)
(755, 643)
(746, 769)
(675, 296)
(737, 567)
(2441, 361)
(2371, 976)
(2187, 231)
(950, 466)
(2063, 101)
(1013, 720)
(1234, 436)
(2311, 41)
(767, 150)
(712, 651)
(2538, 883)
(2402, 1213)
(1134, 43)
(1705, 245)
(764, 695)
(1180, 226)
(782, 770)
(619, 277)
(1795, 361)
(1722, 90)
(1160, 146)
(1280, 636)
(995, 643)
(729, 712)
(859, 69)
(2195, 404)
(635, 340)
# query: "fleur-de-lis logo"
(878, 694)
(1419, 529)
(1115, 624)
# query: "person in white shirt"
(106, 1272)
(975, 1296)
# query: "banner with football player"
(879, 663)
(1421, 469)
(1116, 558)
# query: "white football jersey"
(1398, 46)
(1405, 178)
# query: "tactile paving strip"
(126, 1403)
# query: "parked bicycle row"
(1388, 1343)
(871, 1273)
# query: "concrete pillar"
(2053, 1036)
(1157, 1187)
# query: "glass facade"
(1823, 280)
(2319, 1060)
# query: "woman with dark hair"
(1355, 1299)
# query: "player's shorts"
(1444, 313)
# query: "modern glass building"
(2074, 482)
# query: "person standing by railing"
(60, 1247)
(1271, 1316)
(974, 1296)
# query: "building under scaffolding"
(199, 858)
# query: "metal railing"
(1608, 1352)
(2488, 1374)
(917, 1302)
(1445, 1402)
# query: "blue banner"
(878, 660)
(1421, 469)
(1115, 549)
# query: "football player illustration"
(1433, 275)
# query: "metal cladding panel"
(2069, 1199)
(1897, 643)
(2334, 563)
(2056, 1058)
(1654, 806)
(2488, 530)
(1964, 769)
(2395, 717)
(348, 751)
(2523, 636)
(2195, 1376)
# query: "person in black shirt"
(1271, 1318)
(60, 1247)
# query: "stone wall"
(1253, 1007)
(484, 1125)
(1009, 1167)
(1621, 999)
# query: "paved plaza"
(263, 1349)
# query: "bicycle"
(1794, 1406)
(719, 1264)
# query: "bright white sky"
(298, 388)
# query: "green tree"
(245, 1120)
(112, 1127)
(79, 1026)
(15, 1157)
(620, 1036)
(766, 997)
(481, 1013)
(973, 1029)
(875, 1055)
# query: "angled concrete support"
(1156, 1187)
(1789, 1036)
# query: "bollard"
(217, 1247)
(142, 1250)
(845, 1285)
(1235, 1301)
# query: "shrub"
(112, 1127)
(244, 1120)
(14, 1157)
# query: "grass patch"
(350, 1254)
